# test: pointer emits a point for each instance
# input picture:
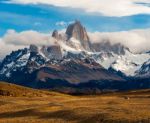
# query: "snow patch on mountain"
(74, 44)
(130, 63)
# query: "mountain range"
(76, 64)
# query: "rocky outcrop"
(52, 52)
(56, 35)
(77, 31)
(33, 48)
(76, 71)
(144, 71)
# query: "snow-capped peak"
(75, 44)
(130, 63)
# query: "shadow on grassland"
(66, 115)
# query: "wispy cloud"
(13, 40)
(135, 40)
(25, 38)
(61, 23)
(105, 7)
(7, 48)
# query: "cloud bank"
(5, 49)
(26, 38)
(13, 40)
(135, 40)
(116, 8)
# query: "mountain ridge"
(74, 60)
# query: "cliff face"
(52, 52)
(77, 31)
(55, 34)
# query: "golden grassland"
(24, 105)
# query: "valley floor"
(116, 108)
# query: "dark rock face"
(55, 34)
(77, 31)
(20, 62)
(52, 52)
(144, 71)
(76, 71)
(55, 51)
(33, 48)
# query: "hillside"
(12, 90)
(49, 107)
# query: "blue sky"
(43, 17)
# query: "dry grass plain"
(50, 107)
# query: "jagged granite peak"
(33, 48)
(23, 60)
(52, 52)
(77, 31)
(55, 34)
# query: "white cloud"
(61, 23)
(135, 40)
(5, 48)
(13, 40)
(106, 7)
(27, 37)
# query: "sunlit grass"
(59, 108)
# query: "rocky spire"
(52, 52)
(77, 31)
(33, 48)
(55, 34)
